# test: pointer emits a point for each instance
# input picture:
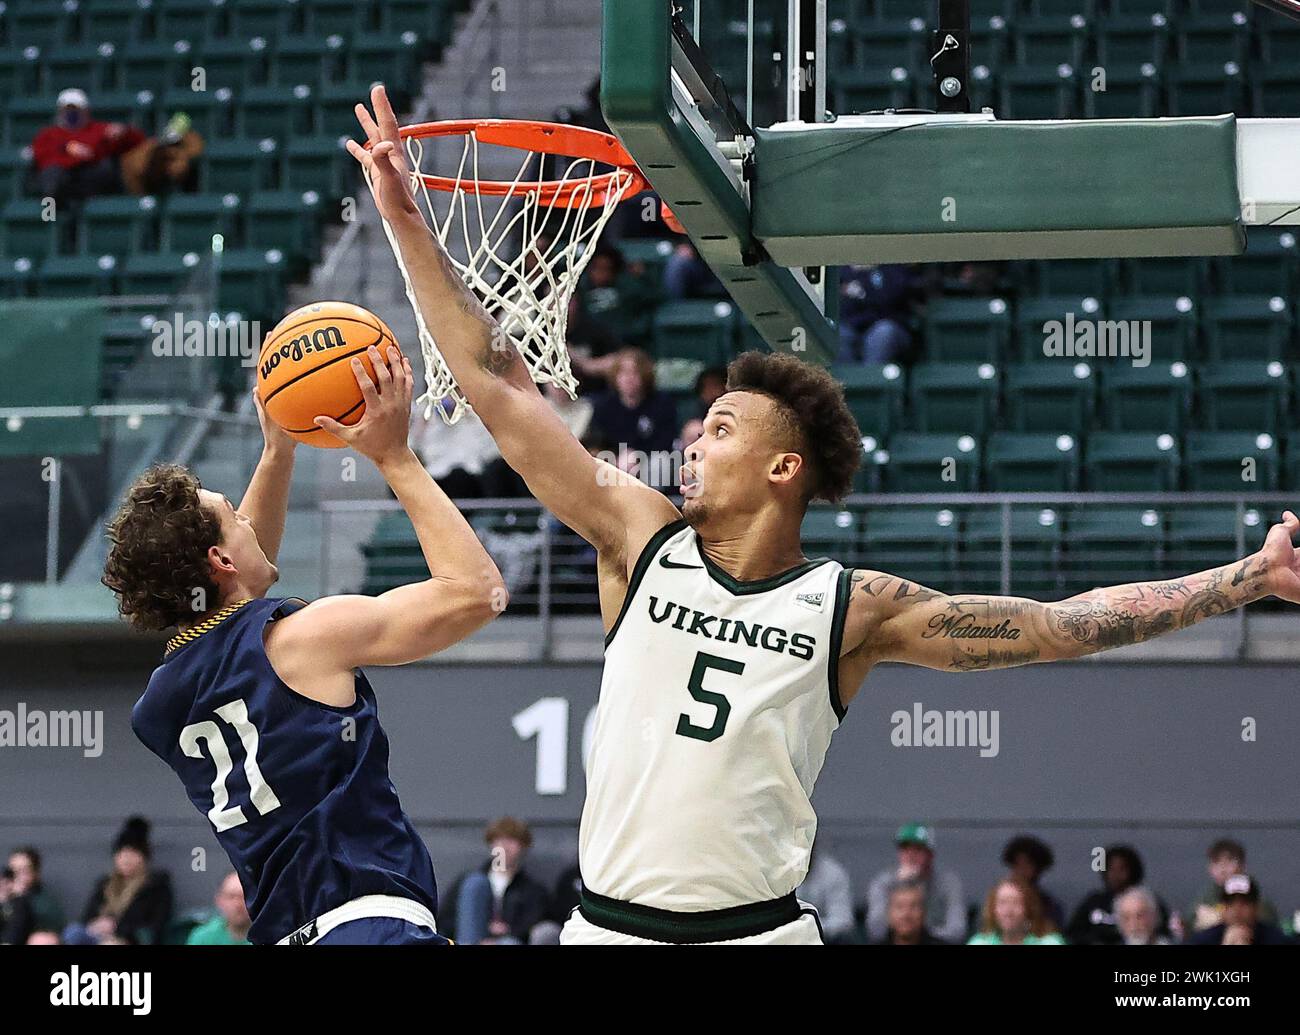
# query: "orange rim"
(547, 138)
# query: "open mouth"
(689, 481)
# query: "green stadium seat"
(188, 19)
(237, 166)
(920, 462)
(1095, 277)
(1132, 461)
(889, 43)
(24, 232)
(1132, 92)
(875, 395)
(237, 62)
(189, 221)
(1173, 325)
(916, 543)
(1291, 462)
(118, 225)
(831, 532)
(1267, 267)
(19, 71)
(1056, 397)
(1220, 36)
(316, 163)
(1230, 461)
(126, 336)
(1125, 41)
(700, 330)
(1034, 314)
(277, 112)
(342, 17)
(429, 20)
(1059, 8)
(1275, 91)
(1215, 88)
(1035, 546)
(1206, 535)
(162, 66)
(1031, 462)
(1108, 545)
(115, 21)
(1243, 396)
(862, 90)
(14, 162)
(1171, 277)
(42, 23)
(391, 57)
(1152, 398)
(160, 274)
(958, 329)
(1038, 92)
(334, 113)
(251, 283)
(266, 18)
(76, 276)
(286, 219)
(306, 59)
(90, 65)
(954, 397)
(15, 277)
(1058, 39)
(24, 117)
(209, 110)
(1247, 327)
(1277, 36)
(990, 42)
(1129, 8)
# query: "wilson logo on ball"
(319, 340)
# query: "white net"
(522, 253)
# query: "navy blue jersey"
(297, 791)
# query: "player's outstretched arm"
(615, 513)
(891, 619)
(266, 501)
(464, 590)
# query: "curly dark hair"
(159, 554)
(812, 403)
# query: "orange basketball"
(304, 370)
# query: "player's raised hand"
(384, 160)
(383, 431)
(1283, 559)
(274, 437)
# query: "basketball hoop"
(525, 241)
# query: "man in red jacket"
(78, 157)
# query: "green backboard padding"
(51, 351)
(943, 192)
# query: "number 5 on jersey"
(704, 662)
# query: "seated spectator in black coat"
(25, 903)
(906, 916)
(499, 903)
(1029, 858)
(131, 905)
(1241, 923)
(1093, 922)
(634, 416)
(875, 308)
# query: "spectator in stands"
(613, 305)
(1013, 915)
(499, 903)
(1241, 920)
(686, 275)
(945, 905)
(1030, 858)
(79, 157)
(456, 455)
(633, 414)
(691, 431)
(1137, 915)
(906, 916)
(26, 905)
(230, 925)
(1226, 858)
(44, 938)
(1093, 922)
(131, 905)
(875, 310)
(711, 383)
(568, 889)
(828, 890)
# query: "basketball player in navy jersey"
(259, 704)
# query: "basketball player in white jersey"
(730, 657)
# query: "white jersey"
(717, 706)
